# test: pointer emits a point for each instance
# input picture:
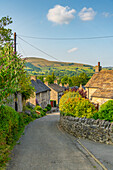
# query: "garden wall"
(96, 130)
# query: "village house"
(55, 93)
(15, 101)
(42, 93)
(100, 86)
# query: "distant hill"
(40, 66)
(40, 62)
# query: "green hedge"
(12, 124)
(105, 112)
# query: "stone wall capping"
(111, 127)
(97, 121)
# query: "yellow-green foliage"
(72, 104)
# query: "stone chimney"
(34, 78)
(55, 82)
(66, 85)
(46, 83)
(98, 68)
(60, 84)
(80, 88)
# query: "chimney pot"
(99, 64)
(98, 68)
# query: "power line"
(39, 49)
(19, 45)
(68, 38)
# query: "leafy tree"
(83, 78)
(75, 81)
(53, 76)
(5, 33)
(50, 78)
(41, 78)
(64, 80)
(13, 77)
(70, 82)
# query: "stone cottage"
(55, 93)
(15, 101)
(42, 93)
(100, 86)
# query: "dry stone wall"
(96, 130)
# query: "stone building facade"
(41, 95)
(56, 91)
(100, 86)
(15, 101)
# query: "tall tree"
(12, 74)
(50, 78)
(5, 33)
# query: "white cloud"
(106, 14)
(60, 14)
(87, 14)
(72, 50)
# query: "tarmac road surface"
(45, 147)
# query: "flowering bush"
(72, 104)
(80, 91)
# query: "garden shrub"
(42, 113)
(105, 112)
(45, 110)
(38, 107)
(72, 104)
(48, 107)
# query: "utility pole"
(16, 103)
(15, 42)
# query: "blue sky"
(63, 19)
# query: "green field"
(39, 66)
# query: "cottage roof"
(103, 79)
(39, 86)
(103, 93)
(57, 88)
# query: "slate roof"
(56, 87)
(39, 86)
(103, 81)
(103, 93)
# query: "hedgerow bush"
(105, 112)
(38, 107)
(12, 124)
(72, 104)
(45, 110)
(48, 107)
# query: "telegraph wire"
(19, 45)
(68, 38)
(38, 49)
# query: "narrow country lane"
(45, 147)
